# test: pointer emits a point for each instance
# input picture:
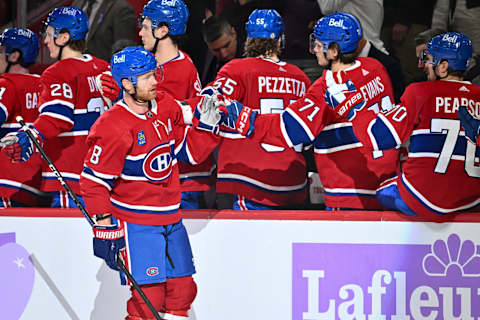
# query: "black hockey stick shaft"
(64, 184)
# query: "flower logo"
(452, 253)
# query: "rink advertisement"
(283, 265)
(440, 280)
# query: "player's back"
(268, 174)
(19, 94)
(349, 172)
(71, 100)
(442, 171)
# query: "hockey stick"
(64, 184)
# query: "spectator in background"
(110, 21)
(368, 12)
(463, 17)
(402, 22)
(237, 14)
(19, 92)
(223, 45)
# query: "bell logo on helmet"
(69, 10)
(117, 59)
(335, 23)
(448, 38)
(25, 32)
(169, 2)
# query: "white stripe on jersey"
(19, 185)
(147, 208)
(261, 184)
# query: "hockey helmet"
(340, 27)
(72, 19)
(265, 23)
(454, 47)
(130, 63)
(23, 40)
(172, 12)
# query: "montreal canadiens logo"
(152, 271)
(157, 165)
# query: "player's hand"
(18, 147)
(470, 124)
(108, 87)
(207, 112)
(108, 241)
(239, 118)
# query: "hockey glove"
(207, 112)
(108, 87)
(108, 241)
(18, 146)
(240, 118)
(344, 99)
(470, 124)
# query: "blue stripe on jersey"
(3, 115)
(261, 188)
(59, 109)
(349, 194)
(84, 121)
(64, 178)
(182, 154)
(336, 137)
(91, 172)
(383, 136)
(144, 210)
(295, 131)
(434, 142)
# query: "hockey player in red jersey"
(441, 174)
(19, 92)
(70, 102)
(131, 183)
(162, 28)
(262, 176)
(349, 172)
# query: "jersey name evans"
(281, 85)
(451, 105)
(372, 88)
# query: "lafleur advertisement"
(387, 281)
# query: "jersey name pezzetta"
(281, 85)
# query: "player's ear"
(442, 68)
(127, 85)
(160, 32)
(63, 38)
(14, 57)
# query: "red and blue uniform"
(19, 182)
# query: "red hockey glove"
(108, 87)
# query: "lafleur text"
(424, 302)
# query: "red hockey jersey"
(179, 78)
(70, 102)
(265, 173)
(131, 167)
(19, 95)
(349, 172)
(442, 171)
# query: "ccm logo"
(242, 121)
(152, 271)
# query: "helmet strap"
(59, 57)
(157, 40)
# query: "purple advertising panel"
(386, 281)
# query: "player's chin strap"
(157, 40)
(134, 96)
(59, 57)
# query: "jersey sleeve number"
(451, 128)
(228, 85)
(97, 151)
(309, 105)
